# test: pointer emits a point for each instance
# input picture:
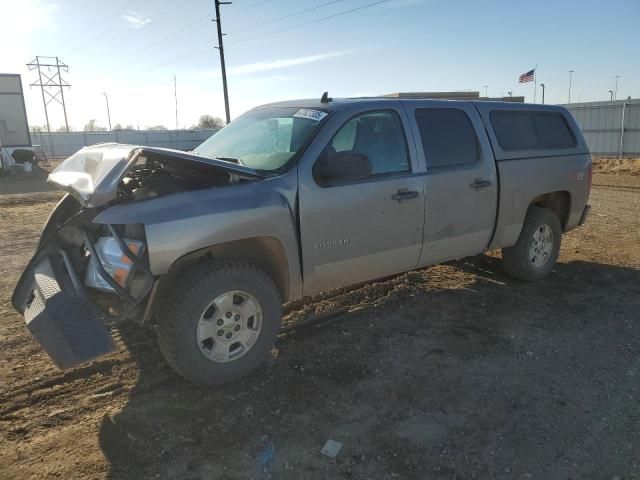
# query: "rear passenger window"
(531, 130)
(553, 131)
(448, 137)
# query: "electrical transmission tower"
(51, 83)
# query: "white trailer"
(14, 128)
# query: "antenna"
(326, 98)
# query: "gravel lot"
(453, 371)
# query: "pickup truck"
(290, 199)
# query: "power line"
(92, 31)
(177, 59)
(257, 4)
(131, 31)
(300, 12)
(207, 48)
(292, 27)
(97, 32)
(203, 22)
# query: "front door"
(358, 230)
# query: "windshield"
(265, 138)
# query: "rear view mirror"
(342, 167)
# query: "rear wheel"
(220, 322)
(534, 255)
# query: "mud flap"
(67, 327)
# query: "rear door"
(460, 184)
(354, 231)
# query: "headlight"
(114, 261)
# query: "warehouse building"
(611, 128)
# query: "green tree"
(92, 127)
(207, 121)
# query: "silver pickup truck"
(288, 200)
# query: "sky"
(286, 49)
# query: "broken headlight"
(114, 261)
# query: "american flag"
(527, 77)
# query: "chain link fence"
(62, 144)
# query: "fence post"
(52, 142)
(624, 104)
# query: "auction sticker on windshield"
(310, 114)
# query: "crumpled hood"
(93, 173)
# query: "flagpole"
(535, 82)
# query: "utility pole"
(108, 112)
(220, 48)
(615, 90)
(510, 92)
(52, 86)
(570, 78)
(485, 91)
(542, 86)
(175, 94)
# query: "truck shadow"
(454, 370)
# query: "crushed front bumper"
(60, 312)
(67, 326)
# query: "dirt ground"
(454, 372)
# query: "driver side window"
(368, 145)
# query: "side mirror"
(342, 167)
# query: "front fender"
(178, 224)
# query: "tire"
(189, 328)
(522, 261)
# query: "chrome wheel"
(541, 245)
(229, 326)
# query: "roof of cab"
(338, 103)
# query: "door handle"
(479, 183)
(405, 194)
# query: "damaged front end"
(85, 275)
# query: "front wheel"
(220, 322)
(536, 251)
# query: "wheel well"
(266, 253)
(559, 202)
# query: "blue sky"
(132, 48)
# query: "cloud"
(283, 63)
(136, 21)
